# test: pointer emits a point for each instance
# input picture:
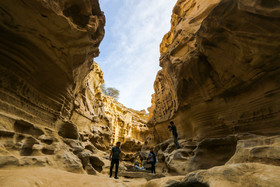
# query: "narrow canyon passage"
(219, 84)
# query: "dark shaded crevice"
(220, 150)
(19, 138)
(270, 3)
(27, 148)
(48, 151)
(68, 130)
(49, 142)
(24, 127)
(96, 163)
(74, 12)
(189, 184)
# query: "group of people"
(115, 157)
(150, 160)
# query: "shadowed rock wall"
(220, 70)
(47, 48)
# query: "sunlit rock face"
(103, 120)
(126, 124)
(52, 110)
(46, 50)
(220, 70)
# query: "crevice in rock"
(68, 130)
(47, 151)
(189, 184)
(220, 150)
(49, 142)
(24, 127)
(27, 147)
(74, 12)
(19, 137)
(96, 163)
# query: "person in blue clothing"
(173, 129)
(115, 159)
(152, 160)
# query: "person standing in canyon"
(152, 159)
(173, 129)
(115, 159)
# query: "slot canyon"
(219, 82)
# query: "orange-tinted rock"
(46, 49)
(220, 70)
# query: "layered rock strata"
(104, 120)
(52, 110)
(46, 50)
(219, 84)
(127, 124)
(220, 70)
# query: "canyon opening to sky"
(212, 67)
(130, 50)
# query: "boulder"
(260, 149)
(8, 160)
(234, 175)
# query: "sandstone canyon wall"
(219, 83)
(52, 110)
(220, 70)
(47, 49)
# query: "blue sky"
(129, 52)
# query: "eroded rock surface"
(126, 123)
(52, 111)
(234, 175)
(46, 50)
(220, 68)
(258, 149)
(46, 53)
(219, 84)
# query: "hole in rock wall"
(68, 130)
(74, 12)
(48, 151)
(196, 184)
(270, 3)
(96, 163)
(49, 142)
(19, 138)
(24, 127)
(27, 148)
(189, 184)
(220, 150)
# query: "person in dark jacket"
(173, 129)
(115, 159)
(152, 160)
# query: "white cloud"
(130, 51)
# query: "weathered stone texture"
(104, 120)
(234, 175)
(220, 70)
(219, 83)
(46, 63)
(46, 50)
(126, 123)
